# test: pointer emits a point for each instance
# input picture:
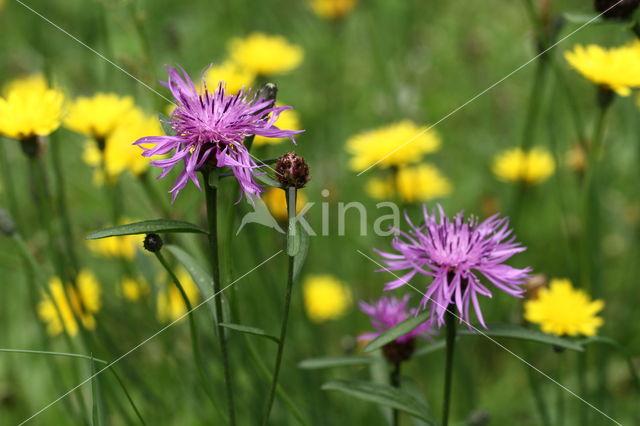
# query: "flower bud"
(152, 243)
(292, 171)
(7, 225)
(396, 352)
(623, 10)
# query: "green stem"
(560, 395)
(582, 379)
(450, 322)
(291, 209)
(9, 185)
(394, 378)
(211, 193)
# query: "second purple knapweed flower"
(453, 252)
(388, 312)
(210, 128)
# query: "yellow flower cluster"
(98, 116)
(29, 108)
(66, 305)
(332, 9)
(133, 289)
(233, 75)
(114, 247)
(516, 165)
(325, 297)
(564, 311)
(264, 54)
(276, 201)
(423, 182)
(169, 302)
(617, 68)
(288, 119)
(392, 146)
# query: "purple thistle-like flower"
(452, 252)
(209, 131)
(388, 312)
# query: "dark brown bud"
(152, 243)
(396, 352)
(623, 10)
(292, 171)
(31, 146)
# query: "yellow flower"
(532, 167)
(170, 304)
(332, 9)
(29, 107)
(234, 76)
(288, 119)
(99, 115)
(564, 311)
(69, 304)
(264, 54)
(275, 199)
(325, 297)
(124, 246)
(377, 146)
(423, 182)
(617, 68)
(134, 289)
(120, 153)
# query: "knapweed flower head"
(423, 182)
(395, 145)
(531, 167)
(170, 304)
(616, 9)
(99, 115)
(288, 119)
(265, 54)
(325, 297)
(453, 253)
(210, 128)
(617, 69)
(564, 311)
(332, 9)
(233, 76)
(276, 201)
(390, 311)
(30, 108)
(292, 171)
(66, 304)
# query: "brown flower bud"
(152, 243)
(396, 352)
(611, 10)
(292, 171)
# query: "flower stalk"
(394, 379)
(450, 324)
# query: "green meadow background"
(385, 61)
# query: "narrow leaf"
(338, 361)
(384, 395)
(250, 330)
(96, 396)
(301, 256)
(294, 238)
(399, 330)
(147, 227)
(522, 333)
(582, 18)
(268, 180)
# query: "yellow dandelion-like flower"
(234, 76)
(325, 297)
(564, 311)
(265, 54)
(389, 146)
(275, 199)
(119, 152)
(170, 304)
(65, 305)
(133, 289)
(114, 247)
(29, 108)
(288, 119)
(423, 182)
(99, 115)
(617, 68)
(515, 165)
(332, 9)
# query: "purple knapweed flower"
(210, 128)
(388, 312)
(452, 252)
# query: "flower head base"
(617, 69)
(395, 145)
(452, 252)
(30, 108)
(209, 132)
(264, 54)
(423, 182)
(617, 9)
(325, 297)
(332, 9)
(564, 311)
(532, 167)
(99, 115)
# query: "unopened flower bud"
(152, 243)
(292, 171)
(617, 9)
(396, 352)
(7, 225)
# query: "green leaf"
(335, 361)
(166, 127)
(301, 256)
(522, 333)
(399, 330)
(294, 238)
(250, 330)
(148, 227)
(600, 339)
(384, 395)
(96, 396)
(268, 180)
(582, 18)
